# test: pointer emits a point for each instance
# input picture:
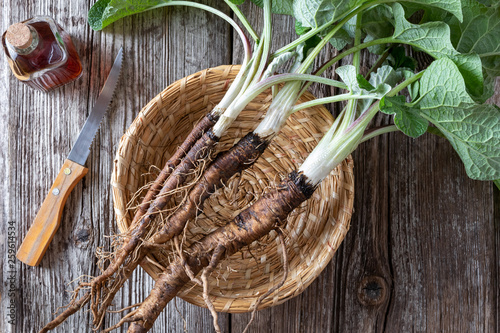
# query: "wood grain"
(422, 253)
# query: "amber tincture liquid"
(41, 54)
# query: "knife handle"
(48, 219)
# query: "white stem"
(340, 141)
(233, 90)
(335, 146)
(331, 99)
(278, 111)
(379, 131)
(265, 40)
(243, 20)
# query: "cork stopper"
(19, 35)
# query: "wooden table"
(423, 252)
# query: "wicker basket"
(313, 232)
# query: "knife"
(48, 219)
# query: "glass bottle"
(41, 54)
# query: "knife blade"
(48, 218)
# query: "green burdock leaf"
(472, 129)
(95, 14)
(363, 83)
(375, 49)
(474, 132)
(277, 63)
(301, 53)
(486, 2)
(299, 29)
(378, 21)
(375, 88)
(314, 13)
(442, 85)
(345, 35)
(341, 39)
(451, 6)
(383, 79)
(347, 74)
(399, 59)
(105, 12)
(434, 38)
(385, 74)
(413, 89)
(406, 118)
(278, 6)
(479, 33)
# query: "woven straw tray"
(313, 232)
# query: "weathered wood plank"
(9, 265)
(441, 242)
(160, 47)
(496, 231)
(40, 135)
(422, 253)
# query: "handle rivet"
(67, 171)
(55, 191)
